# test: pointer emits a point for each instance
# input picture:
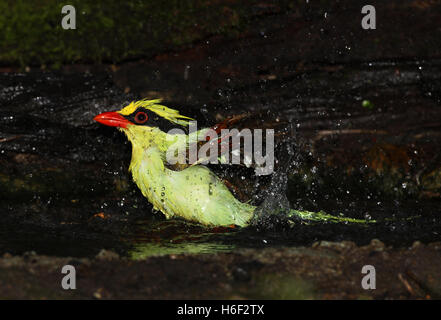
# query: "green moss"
(367, 104)
(114, 30)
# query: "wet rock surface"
(327, 270)
(367, 139)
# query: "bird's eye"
(141, 117)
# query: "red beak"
(112, 119)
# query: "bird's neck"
(148, 172)
(148, 152)
(145, 137)
(150, 160)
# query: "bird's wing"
(220, 144)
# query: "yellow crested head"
(171, 115)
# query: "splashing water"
(276, 210)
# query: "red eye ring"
(141, 117)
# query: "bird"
(189, 191)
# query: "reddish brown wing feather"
(239, 122)
(229, 122)
(222, 149)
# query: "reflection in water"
(144, 250)
(176, 237)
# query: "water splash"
(275, 209)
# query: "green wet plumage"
(194, 193)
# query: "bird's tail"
(276, 209)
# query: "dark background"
(365, 105)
